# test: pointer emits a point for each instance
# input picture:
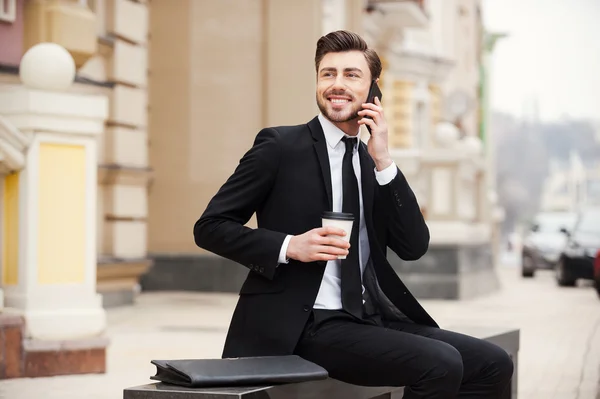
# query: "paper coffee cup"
(341, 220)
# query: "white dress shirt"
(330, 292)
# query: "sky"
(552, 54)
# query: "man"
(354, 317)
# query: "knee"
(498, 366)
(449, 365)
(503, 365)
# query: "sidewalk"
(559, 357)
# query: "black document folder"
(229, 372)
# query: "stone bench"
(506, 338)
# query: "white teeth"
(339, 100)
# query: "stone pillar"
(49, 220)
(124, 163)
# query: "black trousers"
(430, 362)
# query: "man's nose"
(339, 82)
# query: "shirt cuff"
(387, 175)
(284, 246)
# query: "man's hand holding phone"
(374, 119)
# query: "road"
(559, 357)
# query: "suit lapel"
(320, 146)
(368, 185)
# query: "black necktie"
(350, 267)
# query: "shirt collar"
(333, 134)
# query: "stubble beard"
(335, 116)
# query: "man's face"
(343, 81)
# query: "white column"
(54, 284)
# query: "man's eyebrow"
(350, 69)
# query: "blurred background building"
(104, 177)
(570, 187)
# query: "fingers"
(329, 230)
(375, 107)
(372, 114)
(333, 242)
(326, 252)
(369, 112)
(369, 122)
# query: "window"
(8, 10)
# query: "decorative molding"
(13, 144)
(115, 218)
(402, 13)
(67, 113)
(14, 70)
(411, 65)
(120, 174)
(117, 269)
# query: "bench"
(506, 338)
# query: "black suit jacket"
(285, 178)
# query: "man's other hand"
(320, 244)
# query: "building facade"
(190, 85)
(571, 187)
(163, 100)
(436, 96)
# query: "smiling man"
(353, 316)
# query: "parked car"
(597, 273)
(577, 259)
(544, 242)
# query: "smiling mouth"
(338, 101)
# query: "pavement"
(559, 356)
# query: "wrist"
(289, 253)
(383, 162)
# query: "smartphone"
(374, 91)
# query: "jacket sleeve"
(407, 232)
(221, 228)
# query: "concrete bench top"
(507, 338)
(329, 388)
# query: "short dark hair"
(343, 40)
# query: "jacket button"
(306, 308)
(261, 269)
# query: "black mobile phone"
(374, 91)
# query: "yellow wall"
(402, 114)
(10, 230)
(62, 214)
(236, 72)
(436, 106)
